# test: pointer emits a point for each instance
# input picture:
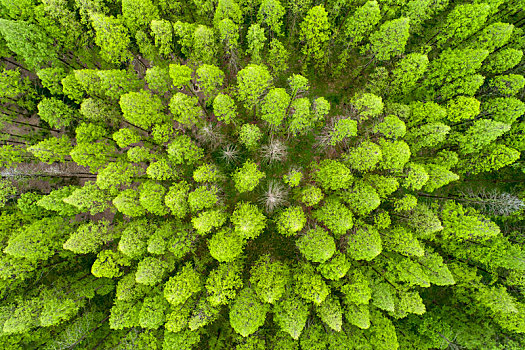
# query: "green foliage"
(142, 108)
(136, 135)
(390, 39)
(290, 221)
(249, 136)
(252, 83)
(503, 60)
(202, 198)
(226, 245)
(368, 105)
(269, 279)
(507, 85)
(88, 238)
(224, 108)
(335, 216)
(52, 150)
(332, 175)
(256, 40)
(158, 79)
(315, 31)
(247, 177)
(290, 315)
(365, 243)
(112, 37)
(275, 106)
(152, 198)
(223, 282)
(208, 220)
(183, 150)
(36, 48)
(247, 313)
(316, 245)
(248, 220)
(309, 285)
(182, 285)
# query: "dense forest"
(262, 174)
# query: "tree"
(227, 9)
(138, 14)
(152, 198)
(142, 108)
(453, 64)
(364, 157)
(271, 13)
(224, 108)
(503, 109)
(360, 24)
(88, 238)
(52, 150)
(507, 85)
(290, 315)
(247, 177)
(335, 216)
(202, 197)
(248, 221)
(331, 313)
(301, 120)
(482, 132)
(427, 135)
(150, 271)
(182, 150)
(207, 173)
(460, 224)
(51, 79)
(365, 243)
(290, 221)
(315, 31)
(206, 221)
(361, 199)
(249, 136)
(309, 285)
(390, 39)
(252, 83)
(490, 158)
(278, 57)
(274, 107)
(55, 112)
(247, 313)
(494, 36)
(316, 245)
(158, 79)
(462, 21)
(335, 268)
(36, 49)
(210, 79)
(162, 31)
(226, 245)
(502, 60)
(256, 40)
(186, 109)
(183, 285)
(368, 105)
(152, 313)
(204, 47)
(116, 174)
(332, 175)
(112, 37)
(269, 279)
(407, 72)
(39, 240)
(223, 282)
